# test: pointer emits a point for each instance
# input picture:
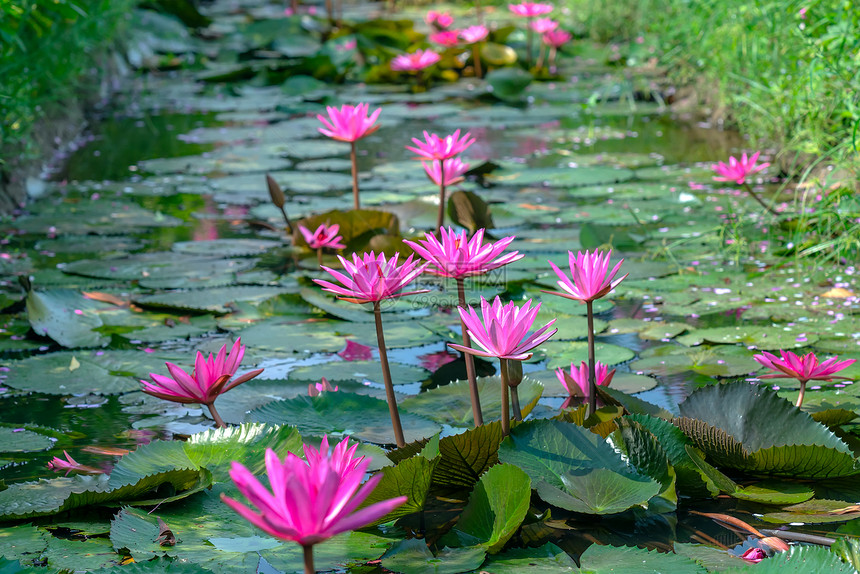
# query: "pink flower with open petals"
(324, 236)
(445, 38)
(588, 279)
(349, 123)
(417, 60)
(556, 38)
(805, 368)
(310, 500)
(435, 147)
(530, 9)
(315, 389)
(502, 330)
(576, 381)
(454, 170)
(370, 278)
(543, 25)
(456, 256)
(474, 34)
(754, 555)
(441, 19)
(57, 464)
(738, 170)
(211, 377)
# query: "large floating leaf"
(800, 560)
(547, 559)
(719, 361)
(216, 300)
(66, 317)
(341, 413)
(68, 373)
(466, 456)
(559, 176)
(410, 478)
(22, 440)
(451, 404)
(575, 469)
(563, 353)
(412, 556)
(751, 429)
(158, 266)
(630, 560)
(497, 506)
(359, 371)
(755, 336)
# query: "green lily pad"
(710, 361)
(21, 440)
(765, 338)
(563, 353)
(564, 177)
(413, 556)
(216, 300)
(359, 371)
(631, 560)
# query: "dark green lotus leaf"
(496, 508)
(88, 555)
(412, 556)
(450, 404)
(833, 417)
(68, 373)
(573, 468)
(215, 300)
(765, 338)
(751, 429)
(508, 84)
(288, 335)
(468, 455)
(359, 416)
(719, 361)
(66, 317)
(467, 209)
(631, 560)
(799, 560)
(105, 246)
(647, 455)
(631, 404)
(158, 266)
(775, 492)
(171, 329)
(547, 559)
(226, 247)
(358, 371)
(22, 440)
(714, 559)
(563, 177)
(110, 217)
(22, 542)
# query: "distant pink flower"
(315, 389)
(588, 279)
(456, 256)
(530, 9)
(502, 330)
(370, 278)
(311, 500)
(454, 170)
(70, 464)
(440, 19)
(802, 13)
(576, 381)
(211, 377)
(349, 123)
(556, 38)
(355, 352)
(474, 34)
(435, 147)
(543, 25)
(445, 38)
(738, 170)
(805, 368)
(754, 555)
(324, 236)
(417, 60)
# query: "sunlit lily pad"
(359, 371)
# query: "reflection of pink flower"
(474, 34)
(435, 147)
(349, 123)
(356, 352)
(556, 38)
(315, 389)
(576, 382)
(324, 236)
(445, 38)
(502, 330)
(530, 9)
(754, 555)
(542, 25)
(417, 60)
(738, 170)
(454, 170)
(434, 361)
(457, 256)
(440, 19)
(371, 278)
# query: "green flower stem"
(309, 559)
(354, 159)
(476, 55)
(758, 198)
(477, 415)
(592, 377)
(506, 409)
(386, 377)
(219, 422)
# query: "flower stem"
(506, 410)
(219, 422)
(441, 217)
(759, 199)
(480, 12)
(529, 38)
(541, 56)
(309, 559)
(476, 55)
(354, 159)
(477, 415)
(802, 394)
(386, 378)
(592, 377)
(319, 255)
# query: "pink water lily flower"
(417, 60)
(435, 147)
(210, 378)
(456, 256)
(556, 38)
(576, 381)
(530, 9)
(349, 123)
(315, 389)
(474, 34)
(57, 464)
(805, 368)
(502, 330)
(445, 38)
(738, 170)
(369, 277)
(589, 277)
(754, 555)
(454, 170)
(310, 500)
(324, 236)
(543, 25)
(440, 19)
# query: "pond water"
(163, 219)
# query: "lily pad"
(360, 371)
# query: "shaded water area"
(157, 239)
